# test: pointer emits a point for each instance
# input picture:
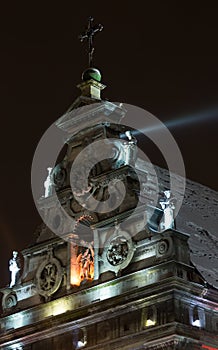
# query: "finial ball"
(91, 73)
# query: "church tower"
(110, 269)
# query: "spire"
(91, 85)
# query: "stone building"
(121, 277)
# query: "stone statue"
(14, 268)
(168, 206)
(87, 263)
(130, 148)
(48, 184)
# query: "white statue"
(48, 184)
(168, 206)
(81, 344)
(14, 268)
(130, 148)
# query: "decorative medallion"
(163, 247)
(118, 251)
(49, 277)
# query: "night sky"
(158, 55)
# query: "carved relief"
(118, 251)
(81, 251)
(49, 277)
(82, 264)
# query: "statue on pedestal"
(48, 183)
(130, 148)
(168, 205)
(14, 268)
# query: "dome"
(91, 73)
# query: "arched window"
(79, 338)
(195, 317)
(150, 316)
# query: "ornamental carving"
(49, 277)
(9, 301)
(163, 247)
(117, 251)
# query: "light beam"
(183, 121)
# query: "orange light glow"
(208, 347)
(81, 265)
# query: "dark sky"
(158, 55)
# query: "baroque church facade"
(118, 277)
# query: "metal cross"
(89, 35)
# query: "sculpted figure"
(130, 148)
(13, 268)
(87, 263)
(48, 184)
(168, 206)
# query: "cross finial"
(89, 35)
